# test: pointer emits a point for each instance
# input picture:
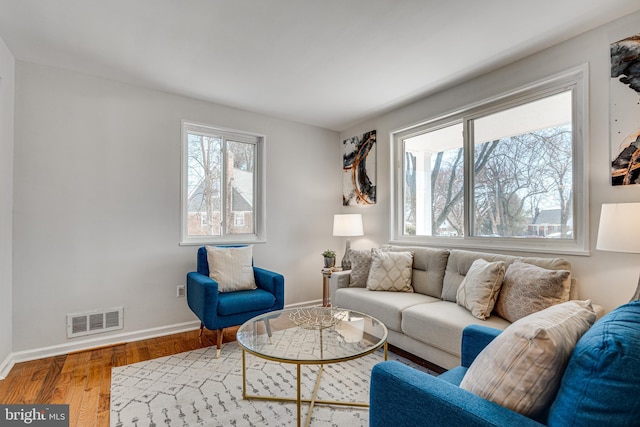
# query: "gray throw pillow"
(527, 288)
(360, 265)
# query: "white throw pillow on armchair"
(231, 267)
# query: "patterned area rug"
(196, 389)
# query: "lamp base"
(346, 262)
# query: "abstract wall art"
(625, 111)
(359, 170)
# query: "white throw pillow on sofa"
(479, 289)
(390, 271)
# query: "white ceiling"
(330, 63)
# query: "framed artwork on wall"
(359, 170)
(625, 111)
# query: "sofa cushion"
(429, 265)
(384, 306)
(528, 288)
(601, 385)
(479, 289)
(360, 265)
(522, 367)
(460, 261)
(390, 271)
(231, 267)
(440, 324)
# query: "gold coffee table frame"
(310, 336)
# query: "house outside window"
(505, 173)
(221, 181)
(239, 219)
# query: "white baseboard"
(304, 304)
(5, 367)
(56, 350)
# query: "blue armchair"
(219, 310)
(600, 385)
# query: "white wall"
(607, 278)
(96, 191)
(7, 80)
(97, 202)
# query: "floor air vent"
(94, 322)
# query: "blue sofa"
(600, 385)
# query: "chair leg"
(200, 334)
(267, 326)
(219, 342)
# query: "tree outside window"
(499, 172)
(220, 172)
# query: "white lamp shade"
(619, 229)
(347, 225)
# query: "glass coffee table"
(310, 336)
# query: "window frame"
(259, 185)
(576, 80)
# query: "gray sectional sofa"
(428, 322)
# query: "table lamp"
(619, 230)
(347, 225)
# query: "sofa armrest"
(404, 396)
(271, 282)
(474, 339)
(202, 296)
(338, 279)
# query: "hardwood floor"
(83, 379)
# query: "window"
(222, 190)
(506, 173)
(238, 219)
